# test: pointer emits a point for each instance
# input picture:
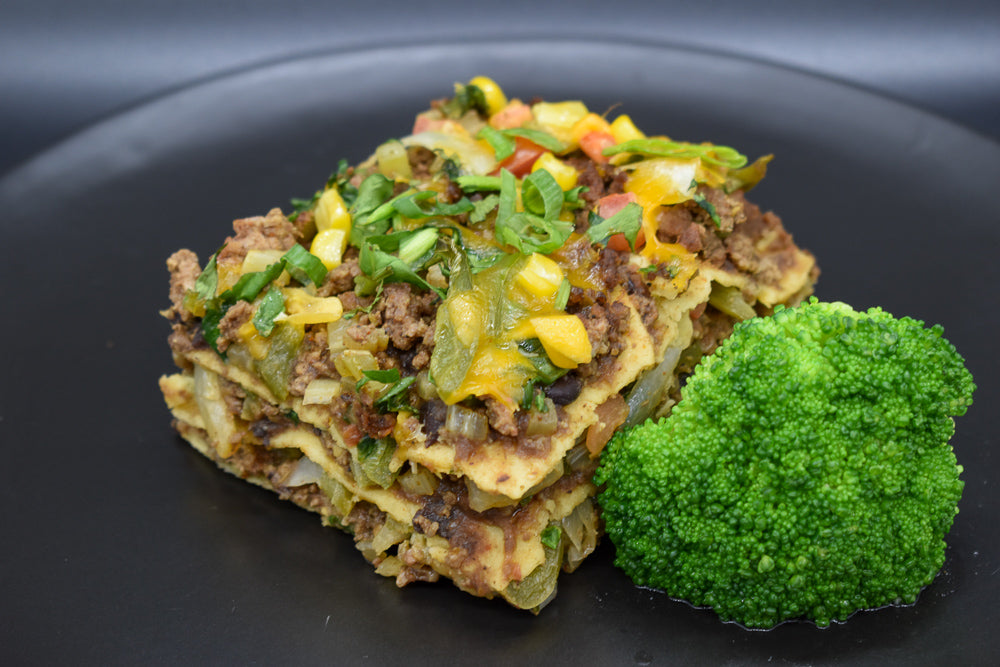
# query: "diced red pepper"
(608, 205)
(520, 161)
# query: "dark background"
(159, 558)
(64, 65)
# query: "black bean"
(564, 390)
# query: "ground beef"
(615, 270)
(607, 326)
(237, 315)
(768, 260)
(711, 328)
(364, 520)
(368, 419)
(693, 227)
(501, 417)
(305, 227)
(184, 271)
(313, 361)
(405, 314)
(270, 232)
(421, 159)
(433, 414)
(341, 278)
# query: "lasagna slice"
(433, 350)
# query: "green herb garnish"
(550, 536)
(538, 228)
(272, 305)
(627, 221)
(720, 156)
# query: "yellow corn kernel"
(589, 123)
(540, 277)
(495, 99)
(255, 343)
(466, 312)
(564, 174)
(558, 118)
(564, 339)
(302, 308)
(329, 246)
(623, 129)
(331, 212)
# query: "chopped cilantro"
(708, 207)
(626, 221)
(272, 305)
(483, 207)
(550, 536)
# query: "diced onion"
(321, 391)
(393, 161)
(480, 500)
(650, 390)
(543, 422)
(471, 155)
(392, 532)
(418, 481)
(306, 471)
(212, 406)
(351, 363)
(730, 301)
(335, 334)
(258, 260)
(466, 423)
(581, 527)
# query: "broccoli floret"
(805, 473)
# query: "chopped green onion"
(372, 192)
(542, 195)
(250, 284)
(418, 245)
(531, 233)
(478, 183)
(543, 139)
(304, 266)
(503, 145)
(562, 294)
(722, 156)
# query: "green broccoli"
(805, 472)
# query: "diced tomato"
(608, 205)
(524, 155)
(594, 143)
(515, 114)
(620, 243)
(424, 123)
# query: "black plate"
(122, 544)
